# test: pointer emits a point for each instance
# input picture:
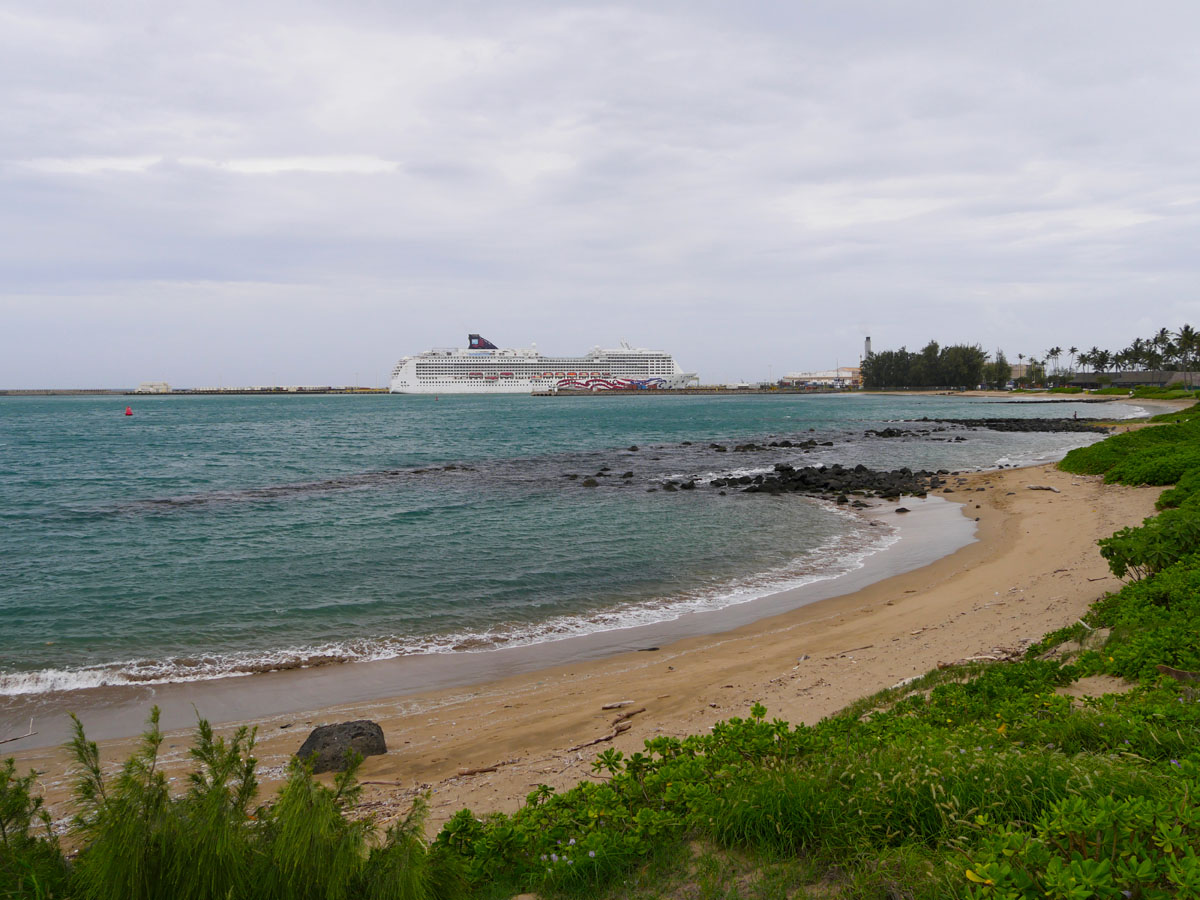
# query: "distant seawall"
(186, 392)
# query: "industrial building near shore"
(841, 377)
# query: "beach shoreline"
(485, 741)
(916, 532)
(1034, 567)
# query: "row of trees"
(961, 365)
(1165, 350)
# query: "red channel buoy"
(129, 410)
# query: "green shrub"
(129, 842)
(1132, 846)
(1153, 622)
(309, 850)
(1099, 458)
(1160, 541)
(210, 843)
(930, 793)
(1186, 492)
(1181, 415)
(1155, 466)
(31, 864)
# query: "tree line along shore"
(1165, 358)
(980, 779)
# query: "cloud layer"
(303, 192)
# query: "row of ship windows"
(533, 370)
(547, 364)
(518, 373)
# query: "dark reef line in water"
(671, 458)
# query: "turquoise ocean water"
(208, 536)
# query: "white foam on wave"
(834, 557)
(707, 477)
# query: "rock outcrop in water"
(1028, 425)
(327, 745)
(837, 481)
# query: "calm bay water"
(207, 536)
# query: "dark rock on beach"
(327, 745)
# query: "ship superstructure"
(484, 368)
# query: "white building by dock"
(841, 377)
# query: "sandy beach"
(1034, 567)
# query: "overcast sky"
(301, 192)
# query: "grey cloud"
(735, 186)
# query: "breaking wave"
(835, 557)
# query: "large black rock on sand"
(327, 745)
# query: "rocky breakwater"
(837, 482)
(1028, 425)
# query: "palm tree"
(1053, 354)
(1074, 351)
(1135, 353)
(1162, 342)
(1188, 342)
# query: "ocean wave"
(834, 557)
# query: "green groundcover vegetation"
(1138, 393)
(978, 782)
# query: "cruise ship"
(484, 368)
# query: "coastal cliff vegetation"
(987, 780)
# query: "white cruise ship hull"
(483, 368)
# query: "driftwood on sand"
(29, 733)
(621, 728)
(492, 768)
(628, 714)
(998, 656)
